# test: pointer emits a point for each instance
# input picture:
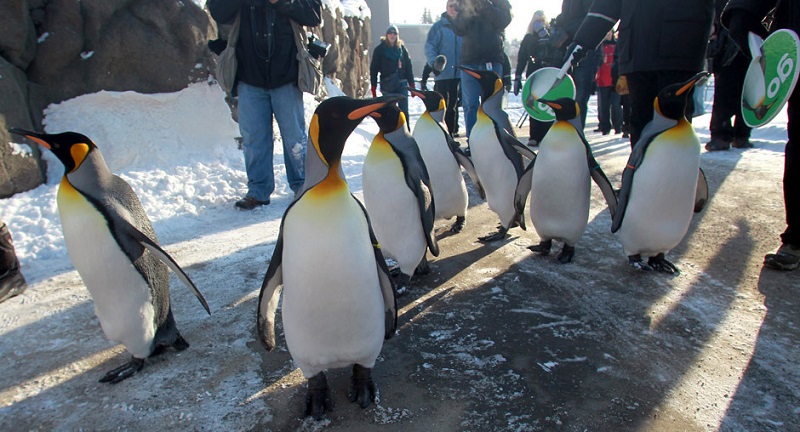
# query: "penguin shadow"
(770, 375)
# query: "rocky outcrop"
(54, 50)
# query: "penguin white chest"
(122, 298)
(662, 195)
(393, 208)
(332, 301)
(495, 171)
(560, 186)
(447, 183)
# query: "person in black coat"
(660, 43)
(573, 12)
(729, 66)
(391, 61)
(740, 17)
(532, 56)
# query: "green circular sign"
(771, 77)
(544, 83)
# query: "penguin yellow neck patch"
(78, 153)
(331, 184)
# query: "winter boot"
(787, 258)
(741, 143)
(717, 144)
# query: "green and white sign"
(545, 83)
(771, 77)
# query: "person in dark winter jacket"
(572, 15)
(530, 58)
(443, 41)
(391, 61)
(741, 17)
(481, 23)
(729, 66)
(609, 109)
(266, 79)
(660, 43)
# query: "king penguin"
(114, 248)
(662, 183)
(338, 302)
(496, 153)
(444, 159)
(558, 180)
(397, 196)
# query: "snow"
(180, 154)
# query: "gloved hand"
(439, 64)
(423, 85)
(517, 85)
(740, 24)
(372, 89)
(411, 85)
(577, 51)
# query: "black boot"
(11, 280)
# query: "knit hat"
(392, 29)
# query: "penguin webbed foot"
(362, 388)
(636, 263)
(543, 248)
(123, 372)
(566, 255)
(318, 397)
(458, 226)
(423, 268)
(659, 263)
(499, 235)
(402, 285)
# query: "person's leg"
(604, 109)
(449, 91)
(643, 91)
(583, 75)
(292, 125)
(471, 92)
(255, 125)
(616, 111)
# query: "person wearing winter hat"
(391, 61)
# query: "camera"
(316, 47)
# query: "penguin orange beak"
(31, 136)
(689, 84)
(551, 104)
(365, 110)
(471, 72)
(416, 93)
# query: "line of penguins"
(339, 314)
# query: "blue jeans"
(471, 92)
(257, 106)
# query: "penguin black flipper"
(524, 188)
(270, 294)
(386, 281)
(162, 255)
(655, 127)
(601, 180)
(701, 194)
(418, 180)
(465, 163)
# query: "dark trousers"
(644, 87)
(791, 173)
(448, 88)
(625, 101)
(538, 129)
(609, 109)
(728, 82)
(583, 75)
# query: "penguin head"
(71, 148)
(389, 118)
(490, 82)
(671, 100)
(336, 118)
(564, 108)
(433, 100)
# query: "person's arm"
(407, 66)
(304, 12)
(224, 11)
(432, 43)
(374, 65)
(743, 16)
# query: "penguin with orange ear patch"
(338, 297)
(444, 159)
(662, 183)
(497, 154)
(114, 248)
(398, 197)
